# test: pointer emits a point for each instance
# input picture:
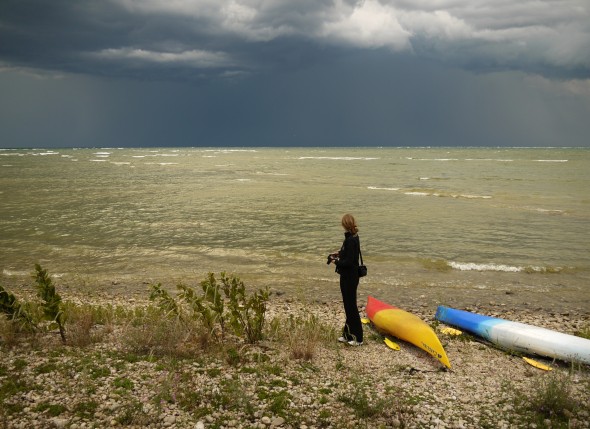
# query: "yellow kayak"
(407, 327)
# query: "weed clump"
(52, 305)
(15, 312)
(221, 306)
(552, 404)
(302, 335)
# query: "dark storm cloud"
(284, 72)
(167, 39)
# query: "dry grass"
(302, 336)
(155, 334)
(83, 328)
(8, 334)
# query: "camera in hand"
(331, 258)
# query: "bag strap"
(360, 253)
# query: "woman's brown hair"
(349, 224)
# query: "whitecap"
(435, 159)
(547, 211)
(419, 194)
(271, 174)
(97, 160)
(338, 158)
(230, 150)
(11, 273)
(469, 196)
(489, 159)
(551, 160)
(382, 189)
(471, 266)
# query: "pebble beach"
(45, 384)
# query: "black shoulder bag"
(362, 266)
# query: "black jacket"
(348, 258)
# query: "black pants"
(353, 329)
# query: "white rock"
(59, 423)
(169, 420)
(266, 420)
(200, 425)
(277, 421)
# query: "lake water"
(448, 223)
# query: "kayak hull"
(519, 337)
(406, 326)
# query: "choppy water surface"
(450, 220)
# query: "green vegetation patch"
(552, 404)
(123, 383)
(12, 385)
(46, 368)
(53, 410)
(86, 409)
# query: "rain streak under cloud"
(277, 72)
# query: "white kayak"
(518, 337)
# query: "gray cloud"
(108, 36)
(306, 72)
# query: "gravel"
(44, 384)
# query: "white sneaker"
(355, 343)
(342, 340)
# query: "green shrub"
(15, 311)
(209, 307)
(220, 304)
(51, 305)
(247, 313)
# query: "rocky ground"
(283, 384)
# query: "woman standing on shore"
(347, 263)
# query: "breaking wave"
(429, 193)
(472, 266)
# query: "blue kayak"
(517, 336)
